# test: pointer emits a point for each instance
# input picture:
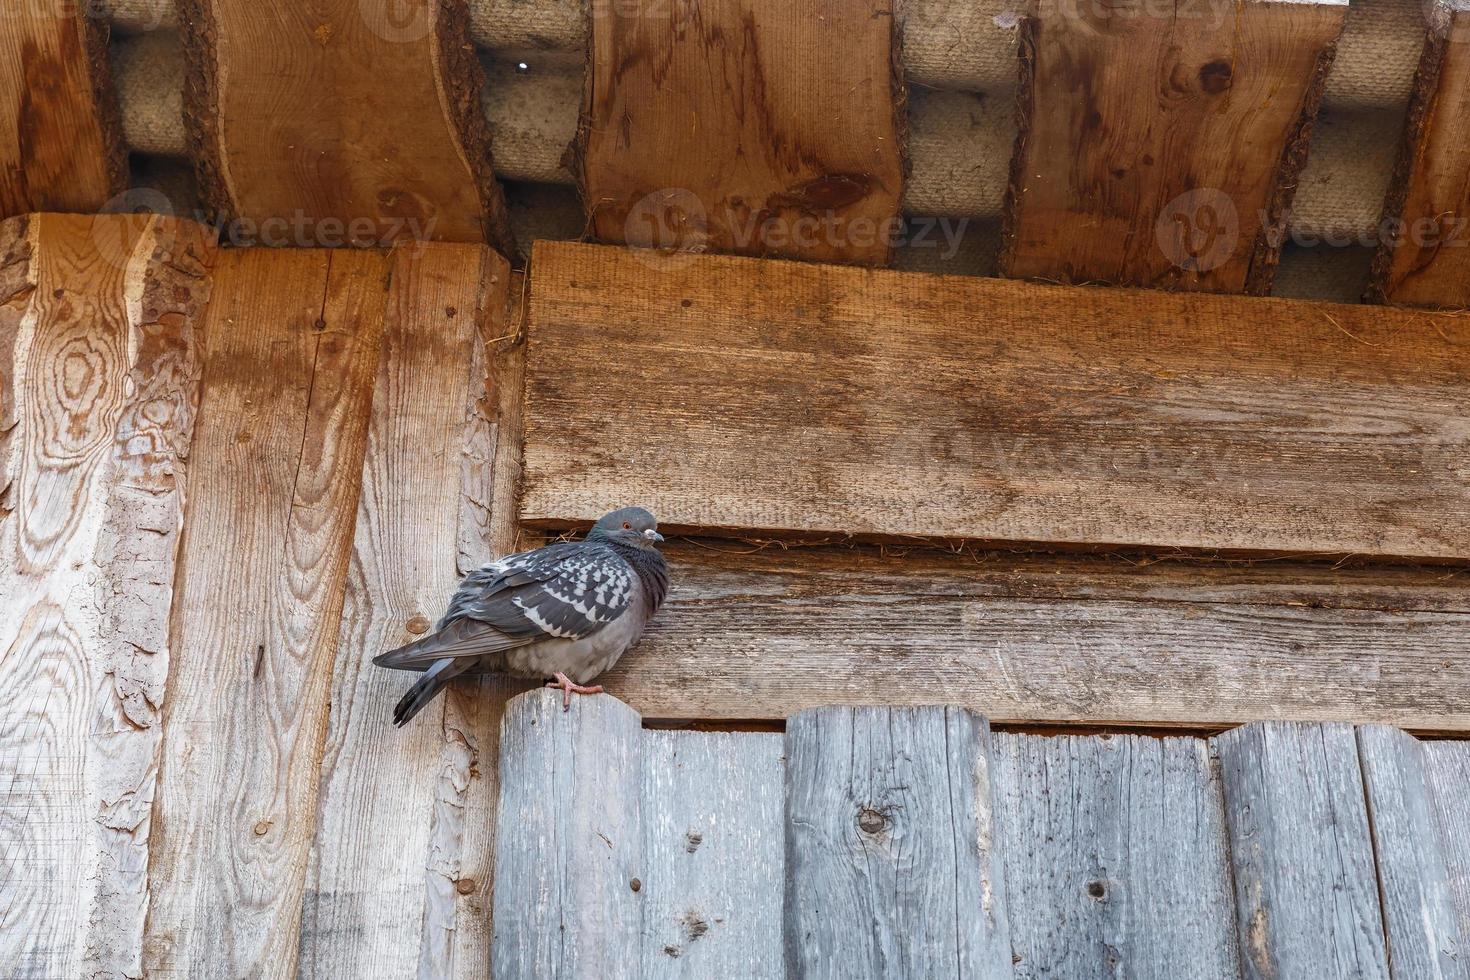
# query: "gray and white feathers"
(573, 607)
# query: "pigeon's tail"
(435, 679)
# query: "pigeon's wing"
(564, 591)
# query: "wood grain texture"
(373, 909)
(1160, 145)
(1417, 804)
(343, 120)
(61, 146)
(1115, 858)
(1306, 892)
(739, 126)
(99, 349)
(1051, 639)
(569, 839)
(713, 855)
(278, 454)
(1426, 261)
(786, 399)
(1447, 774)
(891, 863)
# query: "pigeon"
(566, 611)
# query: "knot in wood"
(417, 625)
(464, 885)
(870, 821)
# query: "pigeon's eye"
(627, 526)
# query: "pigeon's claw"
(568, 689)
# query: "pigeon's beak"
(653, 535)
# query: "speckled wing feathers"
(564, 591)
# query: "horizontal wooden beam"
(61, 146)
(1160, 144)
(780, 399)
(761, 633)
(740, 126)
(342, 122)
(1424, 255)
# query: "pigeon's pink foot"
(568, 689)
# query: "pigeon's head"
(631, 526)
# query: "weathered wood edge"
(1271, 236)
(1010, 210)
(1439, 17)
(461, 79)
(96, 34)
(199, 32)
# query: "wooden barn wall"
(211, 515)
(233, 476)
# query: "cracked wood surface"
(100, 343)
(1160, 145)
(739, 126)
(786, 399)
(61, 146)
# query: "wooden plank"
(278, 455)
(768, 399)
(713, 854)
(891, 863)
(298, 117)
(568, 873)
(1306, 895)
(739, 126)
(99, 322)
(1160, 146)
(1418, 813)
(1115, 857)
(1425, 261)
(61, 146)
(1057, 639)
(369, 911)
(1447, 772)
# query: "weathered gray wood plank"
(1092, 639)
(714, 855)
(1448, 768)
(1306, 893)
(1415, 835)
(891, 868)
(569, 840)
(1115, 859)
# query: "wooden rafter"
(341, 122)
(61, 145)
(765, 128)
(1159, 145)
